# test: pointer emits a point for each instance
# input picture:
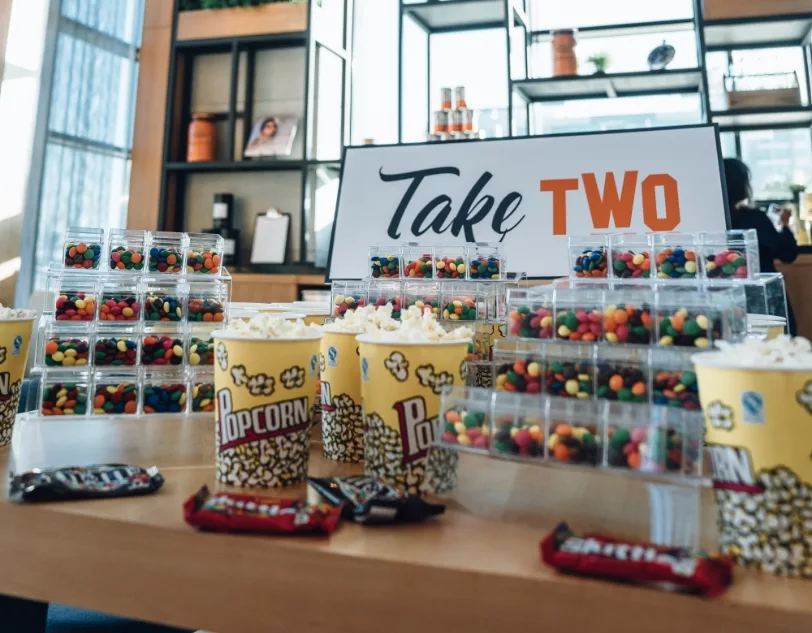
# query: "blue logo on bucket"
(752, 407)
(314, 364)
(364, 369)
(332, 356)
(17, 345)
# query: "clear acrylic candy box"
(204, 254)
(65, 395)
(464, 420)
(348, 295)
(589, 257)
(384, 262)
(519, 366)
(730, 255)
(630, 256)
(167, 253)
(450, 262)
(389, 293)
(127, 251)
(485, 261)
(82, 249)
(676, 256)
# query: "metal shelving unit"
(243, 51)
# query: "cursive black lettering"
(506, 209)
(416, 178)
(467, 216)
(436, 224)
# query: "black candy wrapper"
(101, 481)
(371, 502)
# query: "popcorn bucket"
(15, 335)
(401, 382)
(263, 412)
(342, 422)
(765, 326)
(758, 430)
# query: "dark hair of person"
(737, 175)
(265, 122)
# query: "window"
(777, 159)
(566, 15)
(85, 175)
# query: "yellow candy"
(583, 377)
(702, 321)
(464, 440)
(571, 387)
(70, 353)
(610, 311)
(552, 442)
(690, 267)
(349, 301)
(194, 359)
(121, 346)
(81, 362)
(80, 304)
(563, 331)
(57, 357)
(205, 402)
(501, 379)
(195, 390)
(534, 369)
(457, 303)
(127, 312)
(112, 389)
(460, 268)
(62, 392)
(547, 321)
(639, 259)
(486, 431)
(167, 307)
(535, 432)
(459, 427)
(454, 317)
(678, 388)
(177, 350)
(61, 401)
(440, 265)
(578, 432)
(666, 341)
(583, 395)
(701, 342)
(611, 337)
(339, 299)
(182, 400)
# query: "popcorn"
(8, 314)
(266, 325)
(420, 327)
(366, 319)
(783, 352)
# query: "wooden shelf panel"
(244, 22)
(736, 9)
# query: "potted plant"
(600, 62)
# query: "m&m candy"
(63, 399)
(75, 306)
(465, 428)
(161, 350)
(531, 321)
(524, 375)
(591, 263)
(116, 399)
(169, 398)
(123, 258)
(203, 262)
(82, 255)
(163, 260)
(676, 263)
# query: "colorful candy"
(466, 428)
(420, 268)
(70, 352)
(591, 263)
(116, 399)
(579, 324)
(574, 444)
(626, 383)
(625, 323)
(164, 398)
(631, 265)
(460, 309)
(384, 266)
(727, 264)
(569, 379)
(123, 258)
(531, 322)
(119, 307)
(163, 350)
(641, 448)
(162, 308)
(485, 268)
(115, 352)
(203, 262)
(82, 255)
(162, 260)
(393, 301)
(523, 375)
(205, 309)
(450, 267)
(676, 263)
(519, 435)
(677, 389)
(201, 351)
(429, 302)
(688, 330)
(64, 399)
(342, 303)
(202, 397)
(75, 306)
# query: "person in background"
(772, 244)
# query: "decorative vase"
(564, 61)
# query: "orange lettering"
(559, 189)
(604, 208)
(671, 192)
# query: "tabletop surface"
(475, 568)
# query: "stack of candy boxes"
(461, 285)
(596, 369)
(130, 332)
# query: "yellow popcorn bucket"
(263, 410)
(342, 421)
(758, 432)
(401, 382)
(313, 313)
(765, 326)
(15, 336)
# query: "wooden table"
(475, 569)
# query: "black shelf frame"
(175, 170)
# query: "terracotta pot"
(202, 138)
(564, 61)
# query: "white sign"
(530, 194)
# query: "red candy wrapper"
(607, 557)
(226, 512)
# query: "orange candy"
(561, 452)
(51, 348)
(136, 258)
(563, 430)
(453, 417)
(171, 259)
(98, 402)
(639, 389)
(219, 316)
(678, 322)
(620, 317)
(616, 383)
(130, 406)
(634, 461)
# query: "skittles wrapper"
(758, 431)
(15, 335)
(264, 389)
(342, 420)
(401, 382)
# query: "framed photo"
(272, 136)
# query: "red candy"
(226, 512)
(643, 563)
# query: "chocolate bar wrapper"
(101, 481)
(369, 502)
(644, 563)
(257, 514)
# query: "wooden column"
(150, 115)
(730, 9)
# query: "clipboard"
(270, 243)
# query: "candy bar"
(368, 501)
(642, 563)
(227, 512)
(85, 482)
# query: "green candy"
(501, 446)
(587, 438)
(603, 391)
(523, 310)
(624, 394)
(739, 262)
(728, 269)
(471, 420)
(90, 254)
(688, 378)
(620, 265)
(584, 386)
(571, 321)
(449, 428)
(512, 377)
(691, 328)
(620, 438)
(556, 368)
(667, 268)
